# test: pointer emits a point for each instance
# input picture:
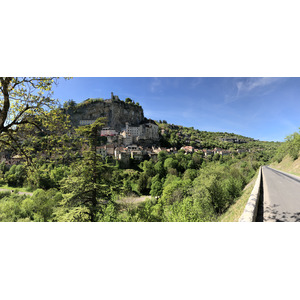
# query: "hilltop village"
(129, 136)
(138, 138)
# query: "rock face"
(117, 113)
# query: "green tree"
(70, 104)
(88, 188)
(15, 176)
(22, 99)
(128, 100)
(162, 155)
(156, 186)
(170, 163)
(42, 204)
(144, 184)
(26, 105)
(159, 168)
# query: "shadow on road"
(272, 214)
(275, 212)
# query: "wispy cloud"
(244, 87)
(155, 85)
(255, 83)
(196, 82)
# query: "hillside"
(287, 157)
(288, 165)
(119, 112)
(177, 136)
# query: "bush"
(15, 176)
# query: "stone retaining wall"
(250, 212)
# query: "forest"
(181, 187)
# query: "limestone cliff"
(117, 112)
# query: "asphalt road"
(281, 196)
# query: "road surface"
(281, 196)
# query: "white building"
(147, 130)
(134, 131)
(108, 132)
(86, 122)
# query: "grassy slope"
(235, 211)
(288, 165)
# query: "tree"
(128, 100)
(26, 104)
(144, 184)
(156, 186)
(162, 155)
(170, 163)
(216, 157)
(88, 188)
(159, 168)
(148, 167)
(22, 98)
(70, 104)
(15, 176)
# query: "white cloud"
(251, 86)
(155, 85)
(255, 83)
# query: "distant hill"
(177, 136)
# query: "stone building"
(110, 149)
(108, 132)
(102, 151)
(147, 130)
(127, 139)
(137, 155)
(134, 131)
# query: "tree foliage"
(22, 99)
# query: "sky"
(264, 108)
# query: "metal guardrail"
(250, 211)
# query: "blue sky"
(263, 108)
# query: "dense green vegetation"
(290, 147)
(178, 136)
(72, 105)
(184, 187)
